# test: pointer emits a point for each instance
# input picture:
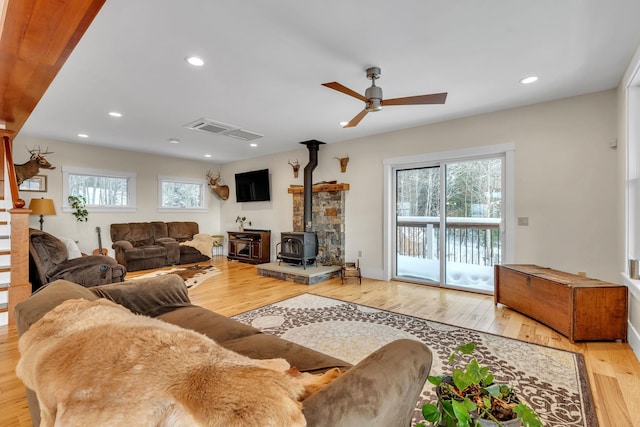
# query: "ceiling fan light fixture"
(195, 61)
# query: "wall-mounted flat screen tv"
(253, 186)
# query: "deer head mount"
(222, 191)
(32, 167)
(296, 168)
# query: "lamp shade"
(42, 207)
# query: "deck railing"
(467, 240)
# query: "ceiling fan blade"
(354, 122)
(340, 88)
(434, 98)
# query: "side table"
(217, 248)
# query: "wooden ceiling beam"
(37, 38)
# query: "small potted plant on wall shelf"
(78, 204)
(470, 397)
(242, 220)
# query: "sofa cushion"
(142, 252)
(159, 229)
(183, 230)
(45, 299)
(138, 233)
(217, 327)
(142, 243)
(150, 296)
(266, 346)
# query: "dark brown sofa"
(146, 245)
(49, 261)
(381, 390)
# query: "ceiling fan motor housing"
(374, 96)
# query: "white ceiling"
(266, 60)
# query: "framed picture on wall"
(36, 183)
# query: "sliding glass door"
(448, 220)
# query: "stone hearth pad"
(296, 273)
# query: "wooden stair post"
(19, 286)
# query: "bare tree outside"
(473, 210)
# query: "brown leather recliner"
(48, 261)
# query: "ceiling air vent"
(208, 125)
(243, 134)
(220, 128)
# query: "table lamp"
(42, 207)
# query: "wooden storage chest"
(580, 308)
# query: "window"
(104, 190)
(176, 193)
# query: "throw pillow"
(72, 248)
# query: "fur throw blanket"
(95, 363)
(202, 242)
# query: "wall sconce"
(42, 207)
(343, 163)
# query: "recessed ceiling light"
(529, 80)
(174, 141)
(195, 61)
(83, 135)
(207, 155)
(115, 114)
(253, 144)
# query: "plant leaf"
(494, 390)
(527, 415)
(461, 379)
(466, 348)
(435, 380)
(431, 413)
(461, 411)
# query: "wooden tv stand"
(580, 308)
(251, 246)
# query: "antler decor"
(296, 168)
(343, 163)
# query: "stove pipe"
(312, 146)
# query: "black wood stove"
(298, 247)
(301, 247)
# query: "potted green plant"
(78, 204)
(242, 220)
(469, 397)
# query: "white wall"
(147, 167)
(565, 182)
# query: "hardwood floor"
(613, 369)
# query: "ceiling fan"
(373, 97)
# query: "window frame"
(131, 188)
(204, 207)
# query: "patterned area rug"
(192, 275)
(553, 382)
